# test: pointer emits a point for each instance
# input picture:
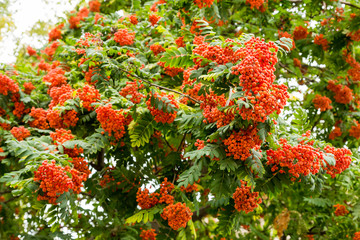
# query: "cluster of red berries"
(354, 71)
(148, 234)
(157, 48)
(343, 94)
(180, 42)
(7, 85)
(60, 95)
(244, 199)
(300, 32)
(50, 51)
(171, 71)
(302, 159)
(55, 33)
(153, 7)
(55, 77)
(133, 19)
(62, 120)
(88, 95)
(160, 115)
(343, 160)
(355, 130)
(177, 215)
(74, 21)
(94, 6)
(28, 87)
(356, 236)
(1, 151)
(322, 102)
(132, 89)
(190, 187)
(256, 75)
(255, 3)
(20, 133)
(240, 143)
(153, 19)
(112, 121)
(31, 51)
(203, 3)
(323, 42)
(336, 132)
(340, 210)
(19, 109)
(123, 37)
(146, 200)
(54, 181)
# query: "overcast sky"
(25, 14)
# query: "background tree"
(176, 120)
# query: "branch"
(309, 80)
(202, 213)
(158, 86)
(11, 199)
(100, 161)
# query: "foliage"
(175, 120)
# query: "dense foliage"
(186, 119)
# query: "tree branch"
(309, 80)
(100, 161)
(158, 86)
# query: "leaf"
(228, 163)
(141, 131)
(189, 176)
(255, 164)
(320, 202)
(177, 57)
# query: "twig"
(158, 86)
(309, 80)
(11, 199)
(167, 143)
(181, 143)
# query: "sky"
(25, 14)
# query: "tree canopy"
(185, 119)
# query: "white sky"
(25, 14)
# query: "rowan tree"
(185, 119)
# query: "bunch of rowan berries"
(54, 180)
(146, 200)
(255, 3)
(28, 87)
(19, 109)
(340, 210)
(203, 3)
(322, 102)
(336, 132)
(244, 199)
(56, 77)
(7, 85)
(124, 37)
(300, 160)
(343, 160)
(157, 49)
(300, 32)
(171, 71)
(241, 142)
(94, 6)
(161, 115)
(132, 89)
(88, 95)
(133, 19)
(177, 215)
(343, 94)
(355, 130)
(20, 133)
(112, 121)
(323, 42)
(148, 234)
(153, 19)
